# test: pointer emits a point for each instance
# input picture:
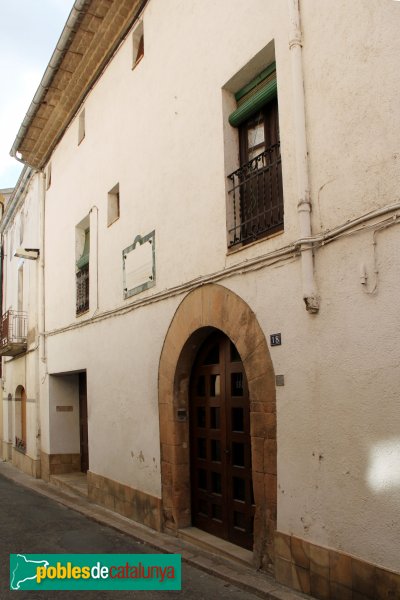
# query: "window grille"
(82, 290)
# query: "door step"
(216, 545)
(71, 482)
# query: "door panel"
(222, 497)
(23, 416)
(83, 423)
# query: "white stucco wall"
(337, 415)
(64, 425)
(159, 132)
(120, 356)
(352, 95)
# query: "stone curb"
(235, 573)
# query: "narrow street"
(31, 523)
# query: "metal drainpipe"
(41, 308)
(310, 294)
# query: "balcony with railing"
(14, 325)
(256, 198)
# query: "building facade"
(19, 328)
(219, 342)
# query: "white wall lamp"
(28, 253)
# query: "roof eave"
(39, 159)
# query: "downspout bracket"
(312, 304)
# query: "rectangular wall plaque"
(64, 408)
(138, 263)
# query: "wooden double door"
(220, 443)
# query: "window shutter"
(254, 96)
(84, 259)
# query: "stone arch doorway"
(10, 418)
(206, 309)
(20, 418)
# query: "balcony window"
(82, 272)
(255, 192)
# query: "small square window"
(137, 45)
(113, 205)
(81, 126)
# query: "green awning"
(254, 103)
(84, 259)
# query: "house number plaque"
(276, 339)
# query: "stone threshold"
(216, 545)
(75, 482)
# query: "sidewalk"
(231, 571)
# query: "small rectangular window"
(20, 289)
(81, 126)
(48, 176)
(137, 45)
(21, 227)
(11, 243)
(113, 205)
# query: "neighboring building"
(19, 327)
(5, 194)
(221, 341)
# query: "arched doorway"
(201, 312)
(220, 443)
(10, 418)
(23, 417)
(20, 418)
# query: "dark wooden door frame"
(23, 415)
(83, 423)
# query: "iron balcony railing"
(256, 198)
(14, 325)
(82, 290)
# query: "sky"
(29, 32)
